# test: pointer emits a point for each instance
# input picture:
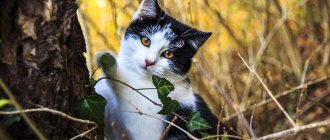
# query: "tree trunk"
(42, 62)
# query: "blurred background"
(285, 41)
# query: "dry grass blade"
(268, 91)
(229, 101)
(284, 93)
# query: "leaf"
(196, 122)
(107, 61)
(163, 86)
(4, 102)
(8, 120)
(169, 106)
(91, 108)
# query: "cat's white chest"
(130, 102)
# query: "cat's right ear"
(147, 9)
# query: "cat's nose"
(149, 63)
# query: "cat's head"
(157, 44)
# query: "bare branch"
(62, 114)
(295, 130)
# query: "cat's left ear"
(148, 9)
(198, 38)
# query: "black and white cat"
(154, 44)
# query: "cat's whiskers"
(195, 33)
(185, 32)
(175, 77)
(157, 71)
(168, 74)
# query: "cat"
(153, 44)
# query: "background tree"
(42, 62)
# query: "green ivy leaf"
(107, 61)
(196, 122)
(4, 102)
(8, 120)
(169, 106)
(91, 108)
(163, 86)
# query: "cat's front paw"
(107, 61)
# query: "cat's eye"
(168, 54)
(145, 41)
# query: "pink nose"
(149, 63)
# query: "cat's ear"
(148, 9)
(198, 38)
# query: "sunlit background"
(286, 41)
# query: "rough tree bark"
(41, 60)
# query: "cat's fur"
(165, 33)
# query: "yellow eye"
(145, 41)
(168, 54)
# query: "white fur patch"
(120, 106)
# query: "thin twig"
(228, 99)
(301, 95)
(19, 108)
(284, 93)
(268, 91)
(62, 114)
(160, 105)
(223, 136)
(166, 121)
(295, 130)
(84, 133)
(145, 88)
(219, 120)
(95, 71)
(251, 119)
(162, 137)
(44, 109)
(137, 90)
